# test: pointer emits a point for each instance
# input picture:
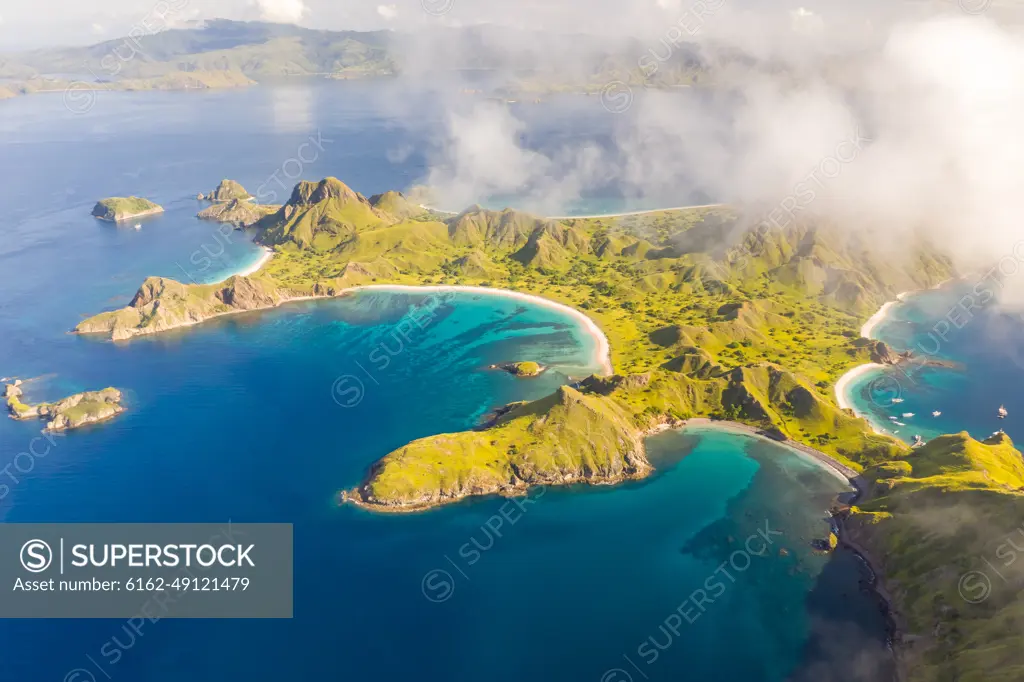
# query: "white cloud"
(389, 12)
(285, 11)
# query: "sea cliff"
(162, 304)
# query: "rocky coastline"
(68, 413)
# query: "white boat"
(138, 226)
(892, 419)
(908, 415)
(899, 423)
(936, 413)
(1002, 412)
(897, 400)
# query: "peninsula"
(116, 209)
(68, 413)
(754, 329)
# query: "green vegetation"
(757, 333)
(124, 208)
(568, 436)
(944, 525)
(525, 369)
(252, 48)
(68, 413)
(162, 304)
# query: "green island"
(755, 333)
(116, 209)
(68, 413)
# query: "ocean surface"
(969, 362)
(703, 571)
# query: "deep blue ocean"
(981, 349)
(239, 419)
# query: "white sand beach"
(876, 319)
(267, 255)
(842, 386)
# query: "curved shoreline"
(843, 399)
(843, 384)
(602, 349)
(267, 254)
(824, 461)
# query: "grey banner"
(143, 570)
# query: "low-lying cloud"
(935, 103)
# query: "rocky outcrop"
(227, 190)
(69, 413)
(162, 304)
(884, 355)
(238, 212)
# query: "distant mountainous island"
(226, 53)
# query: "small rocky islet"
(523, 370)
(232, 204)
(68, 413)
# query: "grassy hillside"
(705, 318)
(257, 49)
(760, 339)
(945, 524)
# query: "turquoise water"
(984, 350)
(241, 419)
